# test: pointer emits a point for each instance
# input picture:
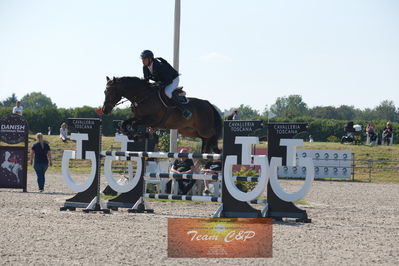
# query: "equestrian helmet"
(147, 54)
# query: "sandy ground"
(352, 224)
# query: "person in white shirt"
(18, 109)
(64, 132)
(236, 116)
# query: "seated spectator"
(370, 131)
(64, 132)
(183, 166)
(211, 167)
(387, 133)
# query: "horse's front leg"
(133, 129)
(128, 126)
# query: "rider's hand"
(159, 84)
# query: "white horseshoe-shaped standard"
(133, 181)
(279, 191)
(75, 187)
(232, 188)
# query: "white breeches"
(171, 87)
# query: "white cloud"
(215, 57)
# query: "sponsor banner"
(12, 167)
(13, 129)
(220, 237)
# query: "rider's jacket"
(162, 72)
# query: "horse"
(151, 108)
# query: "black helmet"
(147, 54)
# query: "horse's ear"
(108, 79)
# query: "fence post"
(353, 166)
(370, 166)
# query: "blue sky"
(231, 52)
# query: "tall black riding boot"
(180, 102)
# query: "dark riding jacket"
(162, 72)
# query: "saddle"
(168, 102)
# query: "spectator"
(40, 158)
(18, 109)
(370, 131)
(211, 167)
(183, 166)
(64, 132)
(49, 131)
(236, 116)
(311, 138)
(387, 133)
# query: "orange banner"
(220, 237)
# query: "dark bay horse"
(149, 110)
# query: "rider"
(160, 71)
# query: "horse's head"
(112, 95)
(128, 87)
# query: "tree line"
(293, 106)
(41, 113)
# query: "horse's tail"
(218, 126)
(218, 123)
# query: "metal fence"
(379, 170)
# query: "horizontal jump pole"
(182, 197)
(194, 198)
(162, 155)
(213, 177)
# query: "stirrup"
(179, 91)
(180, 100)
(186, 114)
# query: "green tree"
(36, 100)
(386, 110)
(346, 112)
(291, 106)
(367, 114)
(43, 117)
(326, 112)
(9, 101)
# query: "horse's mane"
(134, 85)
(131, 80)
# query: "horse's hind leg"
(216, 147)
(204, 146)
(213, 144)
(210, 144)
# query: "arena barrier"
(238, 140)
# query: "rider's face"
(146, 61)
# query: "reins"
(123, 101)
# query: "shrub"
(164, 142)
(333, 139)
(244, 185)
